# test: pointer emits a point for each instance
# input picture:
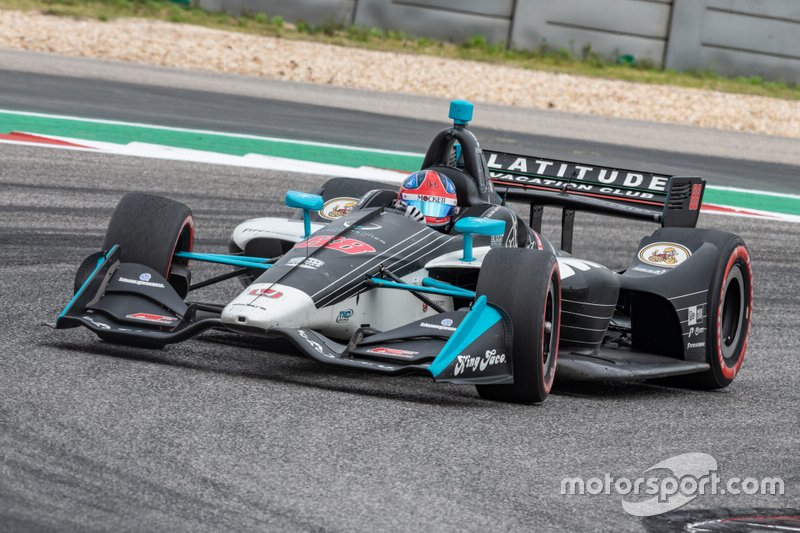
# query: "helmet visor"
(442, 208)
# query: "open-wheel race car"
(353, 281)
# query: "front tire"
(526, 284)
(150, 230)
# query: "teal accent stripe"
(430, 282)
(100, 263)
(476, 323)
(242, 261)
(447, 291)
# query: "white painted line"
(753, 191)
(157, 151)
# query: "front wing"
(131, 304)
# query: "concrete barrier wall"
(737, 37)
(609, 27)
(315, 12)
(453, 20)
(734, 37)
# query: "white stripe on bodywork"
(364, 265)
(364, 269)
(567, 264)
(408, 260)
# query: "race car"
(353, 281)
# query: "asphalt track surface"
(222, 433)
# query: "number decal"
(348, 246)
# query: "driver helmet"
(434, 194)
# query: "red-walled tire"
(149, 230)
(526, 284)
(730, 306)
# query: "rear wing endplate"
(667, 200)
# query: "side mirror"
(307, 202)
(479, 226)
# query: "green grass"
(585, 63)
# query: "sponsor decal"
(314, 344)
(691, 345)
(97, 324)
(437, 326)
(305, 262)
(696, 331)
(447, 322)
(696, 314)
(369, 226)
(554, 173)
(664, 254)
(337, 207)
(267, 293)
(344, 316)
(392, 351)
(254, 306)
(341, 244)
(568, 265)
(648, 270)
(271, 232)
(145, 277)
(475, 364)
(431, 199)
(440, 303)
(149, 317)
(141, 282)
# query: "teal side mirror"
(478, 226)
(460, 112)
(307, 202)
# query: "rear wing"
(667, 200)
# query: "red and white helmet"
(434, 194)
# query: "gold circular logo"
(337, 207)
(664, 254)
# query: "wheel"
(730, 305)
(149, 230)
(526, 284)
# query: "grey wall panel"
(498, 8)
(685, 36)
(755, 34)
(779, 9)
(737, 37)
(736, 63)
(647, 19)
(612, 27)
(440, 19)
(313, 11)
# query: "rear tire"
(730, 307)
(149, 230)
(526, 284)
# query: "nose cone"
(265, 306)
